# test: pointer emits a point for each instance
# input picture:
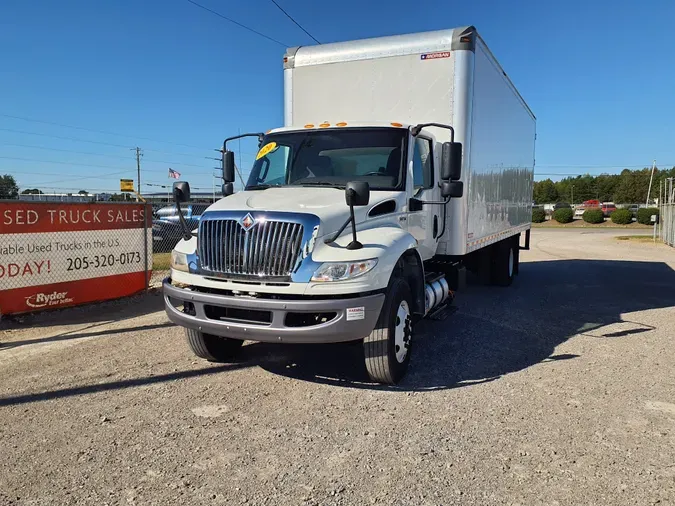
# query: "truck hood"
(326, 203)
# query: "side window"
(423, 167)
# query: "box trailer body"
(403, 162)
(446, 76)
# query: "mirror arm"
(187, 233)
(259, 135)
(439, 202)
(329, 240)
(355, 244)
(418, 128)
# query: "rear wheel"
(503, 265)
(213, 348)
(387, 349)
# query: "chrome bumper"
(363, 315)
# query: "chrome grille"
(267, 249)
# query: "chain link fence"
(167, 232)
(667, 212)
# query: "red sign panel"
(60, 254)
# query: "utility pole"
(243, 183)
(649, 190)
(139, 153)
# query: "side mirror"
(228, 167)
(228, 189)
(451, 161)
(453, 189)
(181, 191)
(357, 193)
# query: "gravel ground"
(557, 390)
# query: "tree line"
(628, 187)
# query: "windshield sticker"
(266, 150)
(434, 56)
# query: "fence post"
(145, 246)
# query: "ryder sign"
(60, 254)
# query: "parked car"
(166, 229)
(587, 204)
(561, 205)
(608, 208)
(633, 208)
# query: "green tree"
(633, 185)
(31, 191)
(8, 187)
(606, 185)
(545, 192)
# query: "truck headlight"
(179, 261)
(341, 271)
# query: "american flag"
(174, 174)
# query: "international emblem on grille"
(247, 222)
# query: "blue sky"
(175, 80)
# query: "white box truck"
(403, 161)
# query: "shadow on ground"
(497, 331)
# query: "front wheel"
(213, 348)
(387, 349)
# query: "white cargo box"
(446, 76)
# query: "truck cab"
(281, 261)
(403, 161)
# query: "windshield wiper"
(328, 184)
(261, 186)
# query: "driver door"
(425, 224)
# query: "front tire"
(213, 348)
(387, 349)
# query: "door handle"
(435, 226)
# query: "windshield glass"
(330, 158)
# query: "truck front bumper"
(270, 320)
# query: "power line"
(66, 151)
(294, 21)
(106, 132)
(599, 166)
(237, 23)
(63, 138)
(79, 165)
(121, 157)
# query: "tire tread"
(212, 348)
(377, 357)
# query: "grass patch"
(635, 238)
(161, 261)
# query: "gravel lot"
(557, 390)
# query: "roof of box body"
(395, 45)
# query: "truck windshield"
(331, 158)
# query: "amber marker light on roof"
(324, 125)
(342, 123)
(309, 126)
(396, 124)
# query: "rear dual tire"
(504, 264)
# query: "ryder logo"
(40, 300)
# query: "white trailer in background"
(433, 148)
